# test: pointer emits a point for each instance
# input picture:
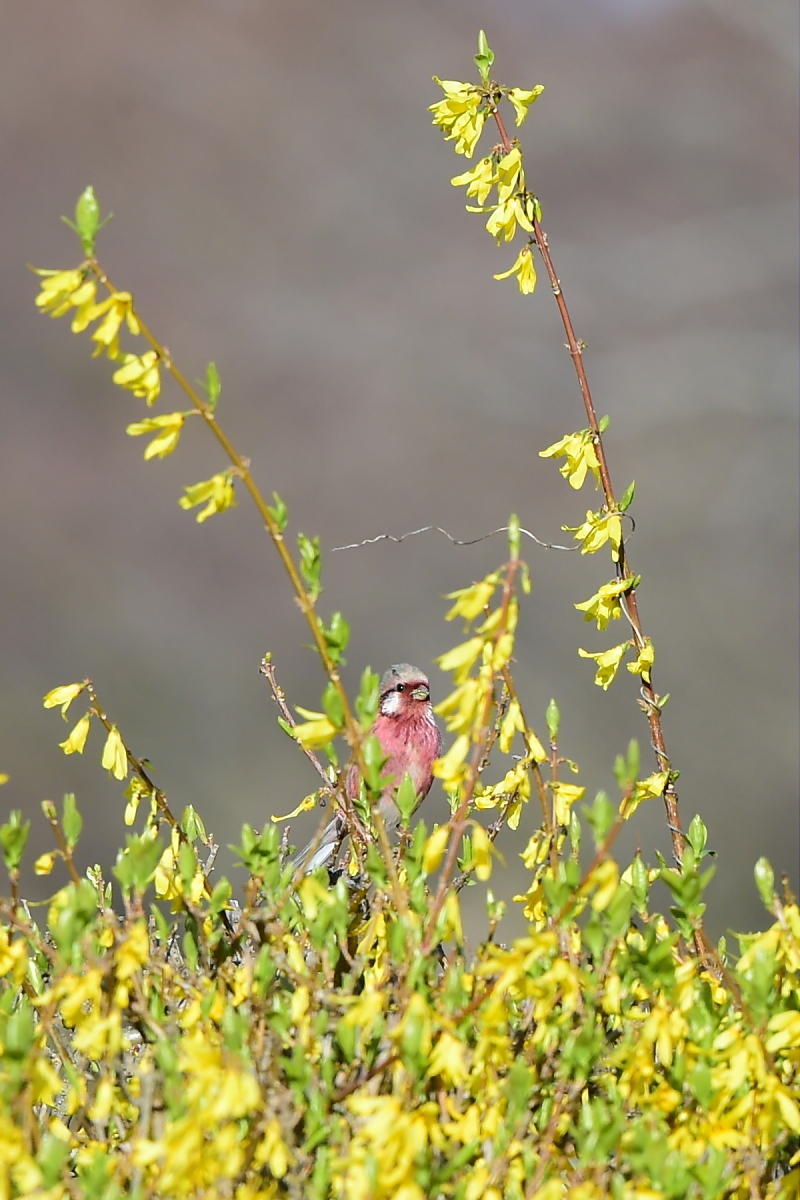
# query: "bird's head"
(405, 693)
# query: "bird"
(411, 740)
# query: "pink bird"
(406, 729)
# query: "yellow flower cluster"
(75, 291)
(514, 208)
(460, 114)
(323, 1050)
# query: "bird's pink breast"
(412, 745)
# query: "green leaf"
(406, 799)
(20, 1030)
(136, 864)
(87, 223)
(213, 385)
(192, 824)
(220, 895)
(13, 837)
(639, 882)
(72, 821)
(332, 704)
(310, 563)
(485, 57)
(187, 864)
(627, 497)
(765, 882)
(278, 511)
(553, 719)
(52, 1154)
(626, 769)
(336, 634)
(697, 836)
(374, 758)
(513, 536)
(604, 423)
(368, 696)
(600, 815)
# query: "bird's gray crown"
(401, 673)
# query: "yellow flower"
(45, 863)
(448, 1058)
(597, 529)
(515, 783)
(459, 114)
(510, 175)
(607, 663)
(460, 708)
(470, 602)
(314, 732)
(451, 768)
(85, 301)
(652, 787)
(605, 879)
(76, 739)
(644, 660)
(116, 310)
(645, 789)
(272, 1151)
(133, 951)
(511, 723)
(139, 374)
(305, 805)
(61, 697)
(524, 270)
(434, 848)
(565, 795)
(481, 852)
(479, 181)
(115, 758)
(167, 428)
(502, 223)
(461, 659)
(604, 605)
(57, 290)
(466, 131)
(167, 880)
(537, 750)
(523, 98)
(216, 493)
(578, 450)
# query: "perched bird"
(406, 729)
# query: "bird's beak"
(421, 693)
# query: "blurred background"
(283, 207)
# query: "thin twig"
(267, 669)
(401, 537)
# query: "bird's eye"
(401, 687)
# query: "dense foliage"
(165, 1033)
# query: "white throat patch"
(391, 704)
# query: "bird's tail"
(320, 851)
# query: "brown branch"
(649, 697)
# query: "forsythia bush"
(168, 1034)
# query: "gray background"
(283, 207)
